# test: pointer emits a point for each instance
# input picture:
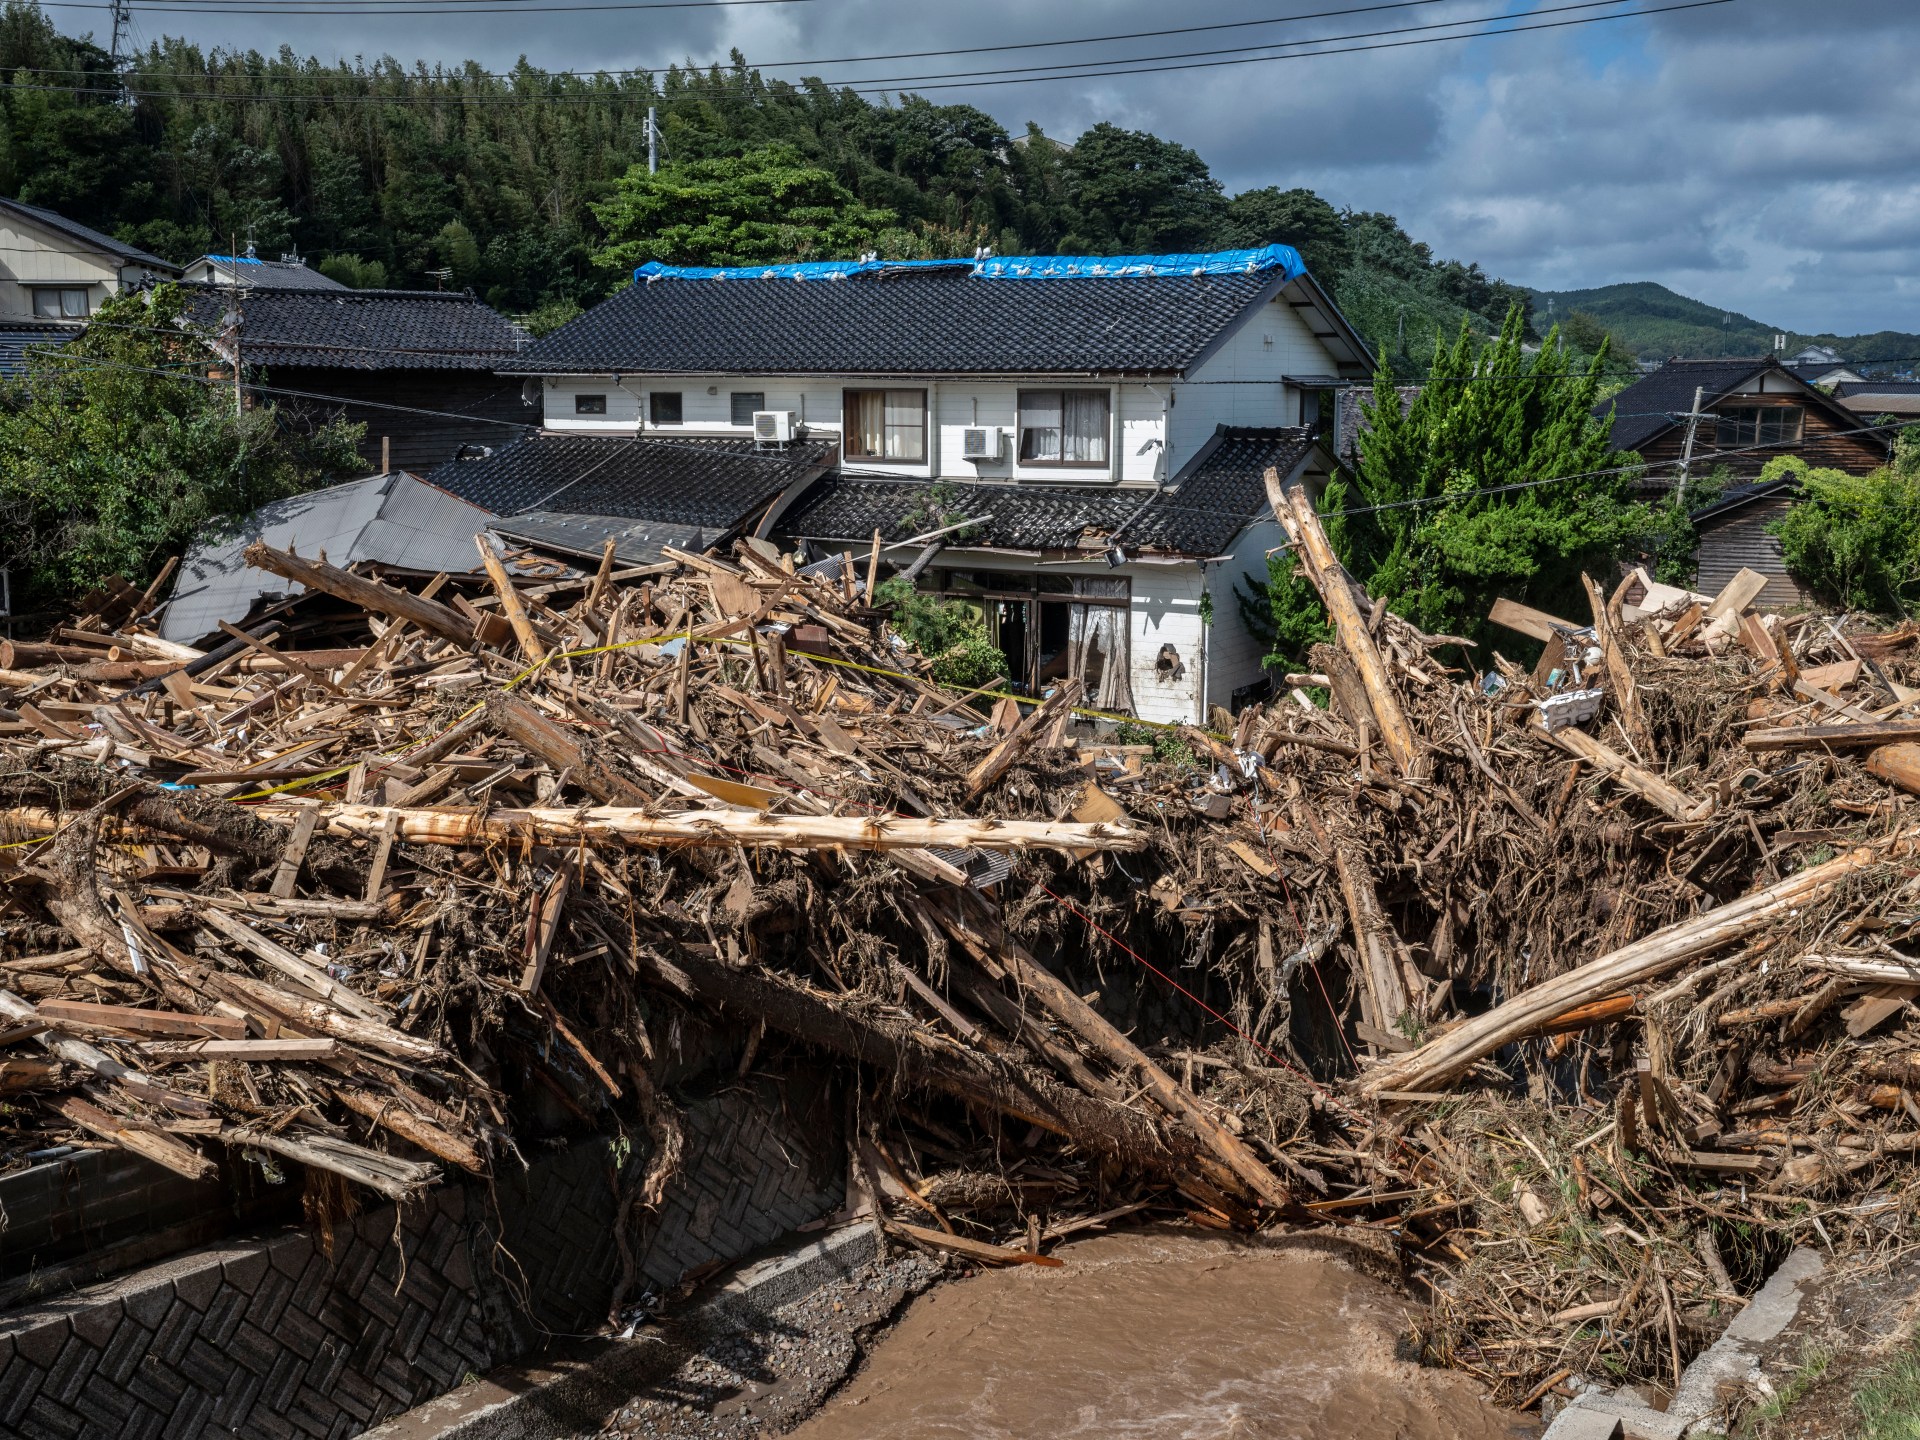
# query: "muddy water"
(1159, 1336)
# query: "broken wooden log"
(626, 825)
(1446, 1058)
(429, 615)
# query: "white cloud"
(1753, 154)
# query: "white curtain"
(1084, 426)
(867, 421)
(906, 425)
(1097, 641)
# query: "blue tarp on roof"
(1009, 267)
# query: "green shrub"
(950, 633)
(1855, 538)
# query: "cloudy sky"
(1760, 155)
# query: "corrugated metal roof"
(392, 519)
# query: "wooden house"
(1755, 409)
(416, 367)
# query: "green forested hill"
(1653, 322)
(384, 173)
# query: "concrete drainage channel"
(1725, 1368)
(575, 1393)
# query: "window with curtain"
(62, 304)
(1065, 427)
(885, 425)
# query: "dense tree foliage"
(1426, 524)
(118, 450)
(382, 172)
(1855, 539)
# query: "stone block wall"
(295, 1335)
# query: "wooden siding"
(1739, 539)
(469, 405)
(1820, 443)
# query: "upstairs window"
(745, 402)
(1065, 427)
(589, 404)
(1759, 425)
(61, 304)
(663, 407)
(886, 425)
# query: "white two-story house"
(1084, 440)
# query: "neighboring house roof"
(1870, 402)
(1824, 374)
(1741, 496)
(341, 329)
(388, 519)
(1646, 408)
(20, 336)
(125, 253)
(635, 542)
(1209, 502)
(1057, 315)
(1350, 420)
(711, 486)
(256, 274)
(1847, 389)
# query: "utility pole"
(653, 142)
(1694, 417)
(122, 22)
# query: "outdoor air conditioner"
(981, 442)
(774, 427)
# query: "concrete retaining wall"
(297, 1335)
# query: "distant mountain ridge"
(1655, 322)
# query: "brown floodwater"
(1160, 1335)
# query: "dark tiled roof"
(635, 542)
(1847, 388)
(257, 274)
(715, 484)
(128, 254)
(913, 322)
(1645, 408)
(20, 336)
(1352, 421)
(1209, 502)
(340, 329)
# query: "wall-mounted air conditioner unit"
(981, 442)
(774, 427)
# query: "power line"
(897, 55)
(884, 87)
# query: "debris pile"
(1588, 982)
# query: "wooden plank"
(312, 978)
(1535, 624)
(148, 1144)
(168, 1052)
(1737, 594)
(1835, 677)
(141, 1022)
(291, 859)
(1805, 737)
(545, 924)
(382, 852)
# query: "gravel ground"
(764, 1379)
